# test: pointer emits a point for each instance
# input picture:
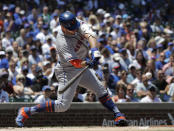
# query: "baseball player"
(72, 47)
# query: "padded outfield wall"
(93, 114)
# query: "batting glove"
(91, 63)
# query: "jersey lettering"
(79, 43)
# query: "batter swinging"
(72, 47)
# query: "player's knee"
(62, 106)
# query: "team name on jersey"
(79, 43)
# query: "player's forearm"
(92, 40)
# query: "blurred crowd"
(135, 38)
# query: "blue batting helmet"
(69, 21)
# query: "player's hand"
(91, 63)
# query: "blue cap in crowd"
(170, 43)
(45, 27)
(24, 19)
(33, 47)
(46, 88)
(29, 34)
(11, 8)
(26, 25)
(4, 63)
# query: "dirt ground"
(89, 129)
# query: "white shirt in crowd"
(3, 96)
(147, 99)
(42, 37)
(6, 43)
(140, 87)
(46, 48)
(41, 99)
(53, 24)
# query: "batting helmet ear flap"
(69, 21)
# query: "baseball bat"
(73, 80)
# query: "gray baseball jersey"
(71, 47)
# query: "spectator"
(160, 62)
(116, 32)
(168, 92)
(138, 78)
(54, 21)
(106, 58)
(130, 95)
(114, 77)
(90, 97)
(141, 89)
(79, 98)
(168, 68)
(20, 90)
(105, 73)
(42, 34)
(54, 88)
(151, 96)
(45, 15)
(54, 58)
(46, 46)
(151, 45)
(6, 41)
(39, 81)
(54, 31)
(32, 18)
(125, 62)
(12, 71)
(15, 48)
(3, 94)
(140, 59)
(132, 73)
(19, 87)
(28, 81)
(9, 53)
(47, 70)
(169, 49)
(46, 93)
(123, 76)
(3, 61)
(150, 67)
(8, 87)
(160, 82)
(118, 20)
(21, 40)
(32, 74)
(121, 93)
(34, 57)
